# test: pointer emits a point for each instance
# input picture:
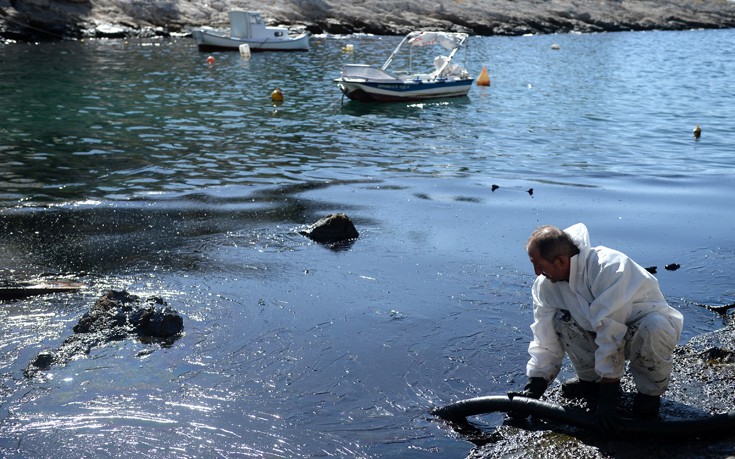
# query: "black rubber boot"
(646, 406)
(575, 388)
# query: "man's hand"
(606, 414)
(534, 389)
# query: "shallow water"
(135, 165)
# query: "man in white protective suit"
(600, 308)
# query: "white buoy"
(245, 51)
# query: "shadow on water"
(400, 109)
(171, 232)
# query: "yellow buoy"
(277, 95)
(483, 79)
(697, 132)
(348, 48)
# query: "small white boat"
(248, 28)
(369, 83)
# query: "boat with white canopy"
(368, 83)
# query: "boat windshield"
(365, 72)
(426, 44)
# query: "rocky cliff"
(34, 20)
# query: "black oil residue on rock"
(114, 317)
(332, 229)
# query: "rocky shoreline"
(44, 20)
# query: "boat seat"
(455, 70)
(438, 63)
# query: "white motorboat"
(248, 28)
(368, 83)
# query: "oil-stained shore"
(703, 381)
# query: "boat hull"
(209, 41)
(365, 91)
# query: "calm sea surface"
(136, 165)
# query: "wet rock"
(723, 309)
(672, 266)
(43, 360)
(163, 323)
(115, 316)
(332, 228)
(716, 355)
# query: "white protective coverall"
(609, 296)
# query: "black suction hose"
(718, 424)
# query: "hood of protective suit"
(580, 236)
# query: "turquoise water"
(136, 165)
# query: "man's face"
(555, 271)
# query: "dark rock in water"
(120, 309)
(673, 266)
(332, 228)
(43, 360)
(721, 309)
(718, 355)
(652, 269)
(163, 323)
(114, 317)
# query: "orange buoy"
(210, 60)
(483, 79)
(277, 95)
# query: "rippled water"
(136, 165)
